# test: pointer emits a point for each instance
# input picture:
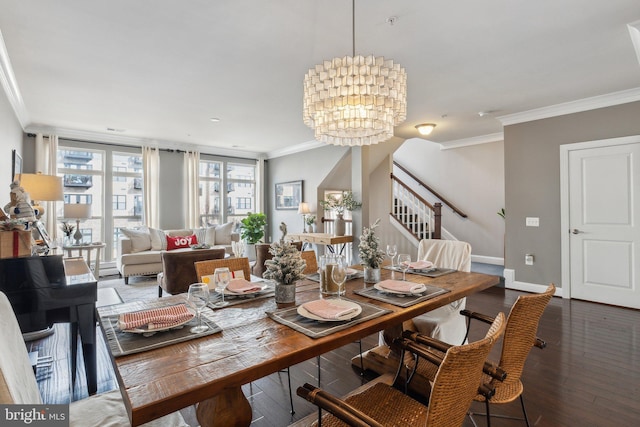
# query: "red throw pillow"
(181, 242)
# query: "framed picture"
(43, 233)
(288, 195)
(16, 165)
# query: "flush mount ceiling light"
(425, 128)
(355, 100)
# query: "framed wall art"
(288, 195)
(16, 165)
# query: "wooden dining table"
(210, 371)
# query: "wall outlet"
(532, 221)
(528, 259)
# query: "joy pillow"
(181, 242)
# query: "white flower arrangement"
(287, 265)
(370, 253)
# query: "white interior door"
(604, 210)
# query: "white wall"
(472, 178)
(11, 136)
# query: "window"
(243, 203)
(96, 174)
(119, 203)
(78, 198)
(239, 185)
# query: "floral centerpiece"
(344, 202)
(310, 220)
(371, 255)
(285, 268)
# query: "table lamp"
(41, 188)
(303, 209)
(77, 211)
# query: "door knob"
(576, 231)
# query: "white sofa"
(140, 250)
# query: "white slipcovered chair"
(18, 384)
(444, 323)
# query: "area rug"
(139, 288)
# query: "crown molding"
(10, 86)
(298, 148)
(474, 140)
(91, 136)
(585, 104)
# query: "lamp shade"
(303, 208)
(42, 187)
(77, 211)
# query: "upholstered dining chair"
(380, 403)
(177, 268)
(263, 254)
(444, 323)
(519, 339)
(18, 384)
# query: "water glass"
(392, 251)
(339, 275)
(403, 261)
(221, 278)
(198, 298)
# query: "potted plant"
(345, 202)
(252, 232)
(310, 220)
(371, 255)
(285, 268)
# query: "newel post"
(437, 219)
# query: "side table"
(87, 247)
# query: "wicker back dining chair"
(444, 323)
(519, 339)
(206, 268)
(312, 262)
(18, 384)
(382, 404)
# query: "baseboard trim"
(487, 259)
(511, 283)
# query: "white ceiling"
(158, 70)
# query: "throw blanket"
(327, 309)
(157, 318)
(401, 286)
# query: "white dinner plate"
(262, 286)
(344, 303)
(391, 291)
(148, 332)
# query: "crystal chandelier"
(355, 100)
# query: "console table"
(325, 239)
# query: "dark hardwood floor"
(589, 374)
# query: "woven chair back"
(519, 338)
(206, 268)
(457, 380)
(312, 262)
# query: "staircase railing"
(418, 216)
(430, 190)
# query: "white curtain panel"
(46, 162)
(151, 186)
(192, 167)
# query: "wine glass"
(198, 297)
(392, 251)
(221, 278)
(339, 274)
(403, 261)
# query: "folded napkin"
(242, 285)
(157, 318)
(327, 309)
(419, 265)
(402, 286)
